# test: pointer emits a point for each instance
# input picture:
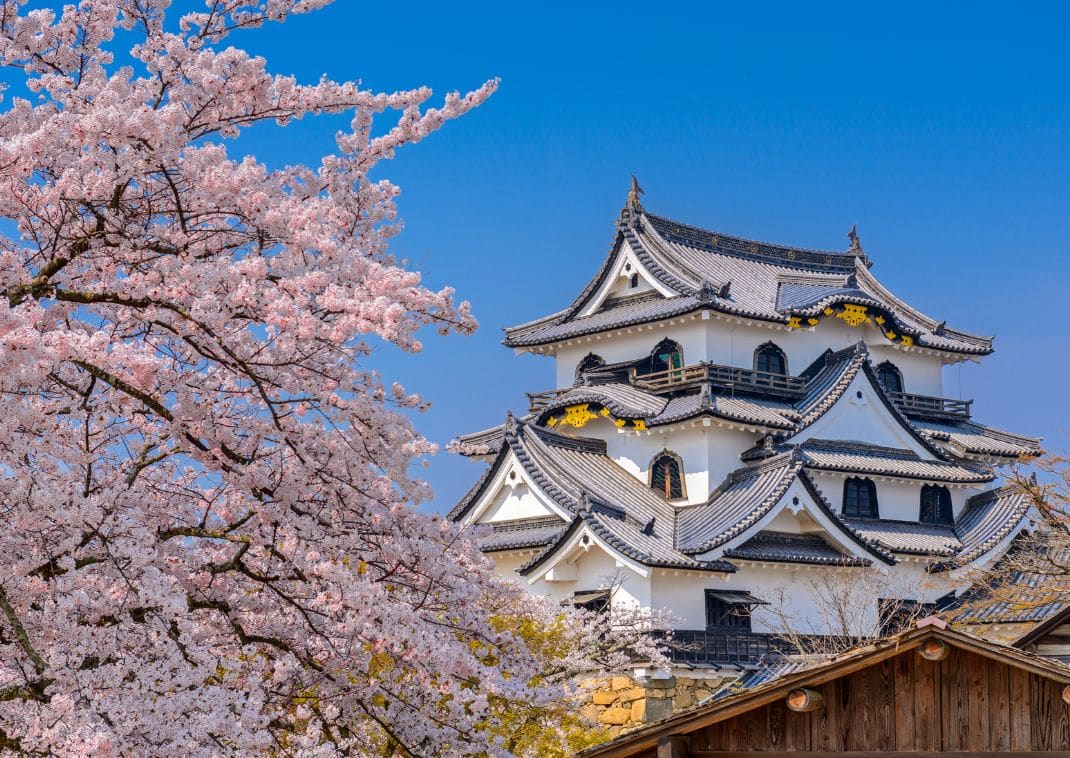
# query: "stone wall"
(621, 703)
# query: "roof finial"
(633, 195)
(856, 244)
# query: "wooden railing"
(537, 401)
(927, 406)
(729, 377)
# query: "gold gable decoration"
(855, 316)
(579, 415)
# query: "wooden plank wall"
(965, 702)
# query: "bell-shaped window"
(936, 505)
(667, 476)
(589, 363)
(665, 356)
(860, 498)
(770, 359)
(890, 377)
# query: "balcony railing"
(538, 401)
(713, 647)
(729, 377)
(929, 407)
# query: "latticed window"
(860, 498)
(935, 505)
(890, 377)
(667, 476)
(770, 359)
(729, 610)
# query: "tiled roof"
(768, 282)
(774, 414)
(967, 438)
(908, 537)
(977, 606)
(741, 501)
(861, 458)
(988, 519)
(623, 400)
(521, 533)
(582, 480)
(793, 548)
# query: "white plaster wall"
(860, 415)
(513, 502)
(728, 343)
(595, 569)
(708, 452)
(794, 590)
(897, 500)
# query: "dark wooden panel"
(978, 735)
(798, 728)
(885, 706)
(777, 737)
(999, 707)
(1042, 713)
(825, 732)
(1060, 722)
(904, 697)
(1021, 710)
(957, 687)
(927, 705)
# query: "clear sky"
(940, 129)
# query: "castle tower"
(729, 417)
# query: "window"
(770, 359)
(860, 498)
(935, 505)
(729, 610)
(589, 363)
(635, 280)
(589, 600)
(667, 475)
(666, 355)
(890, 377)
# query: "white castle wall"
(708, 452)
(725, 342)
(897, 500)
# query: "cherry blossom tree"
(208, 541)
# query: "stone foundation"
(621, 703)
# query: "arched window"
(666, 355)
(860, 498)
(635, 280)
(770, 359)
(589, 363)
(935, 505)
(890, 377)
(667, 475)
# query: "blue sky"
(940, 129)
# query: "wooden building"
(930, 690)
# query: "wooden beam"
(674, 746)
(804, 699)
(934, 649)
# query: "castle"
(731, 417)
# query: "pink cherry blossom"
(208, 534)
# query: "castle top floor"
(721, 298)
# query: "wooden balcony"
(925, 406)
(538, 401)
(727, 377)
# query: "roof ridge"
(654, 218)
